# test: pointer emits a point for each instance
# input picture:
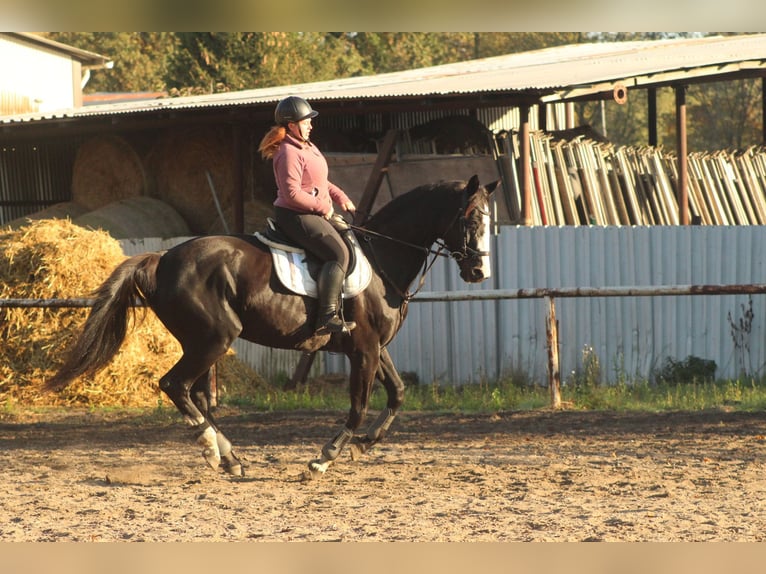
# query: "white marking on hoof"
(319, 465)
(210, 450)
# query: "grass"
(744, 395)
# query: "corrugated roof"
(551, 74)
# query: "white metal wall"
(465, 341)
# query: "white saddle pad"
(293, 272)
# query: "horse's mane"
(405, 203)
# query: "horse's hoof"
(355, 451)
(234, 469)
(359, 446)
(318, 467)
(212, 457)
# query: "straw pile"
(106, 169)
(179, 165)
(57, 259)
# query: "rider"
(304, 204)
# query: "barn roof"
(551, 74)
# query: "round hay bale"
(46, 259)
(136, 217)
(106, 169)
(63, 210)
(179, 165)
(255, 214)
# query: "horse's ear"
(491, 187)
(473, 186)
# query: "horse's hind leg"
(201, 396)
(392, 382)
(176, 384)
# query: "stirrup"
(334, 324)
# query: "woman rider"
(304, 204)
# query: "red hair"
(270, 142)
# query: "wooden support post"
(301, 371)
(525, 167)
(763, 110)
(683, 177)
(554, 373)
(651, 101)
(238, 200)
(376, 177)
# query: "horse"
(209, 290)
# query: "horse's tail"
(106, 325)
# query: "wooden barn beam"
(683, 177)
(525, 161)
(376, 177)
(651, 101)
(763, 109)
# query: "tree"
(224, 61)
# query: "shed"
(60, 74)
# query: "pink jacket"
(301, 173)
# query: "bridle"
(460, 218)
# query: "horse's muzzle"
(472, 274)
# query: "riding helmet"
(293, 109)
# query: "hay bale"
(106, 169)
(47, 259)
(136, 217)
(255, 214)
(63, 210)
(178, 165)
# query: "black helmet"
(293, 109)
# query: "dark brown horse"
(210, 290)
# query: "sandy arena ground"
(512, 476)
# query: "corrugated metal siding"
(464, 341)
(35, 175)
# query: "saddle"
(298, 270)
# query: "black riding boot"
(330, 283)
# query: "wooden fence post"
(554, 373)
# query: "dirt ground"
(512, 476)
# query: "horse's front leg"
(363, 369)
(392, 382)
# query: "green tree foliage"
(224, 61)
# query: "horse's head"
(468, 236)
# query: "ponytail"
(270, 142)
